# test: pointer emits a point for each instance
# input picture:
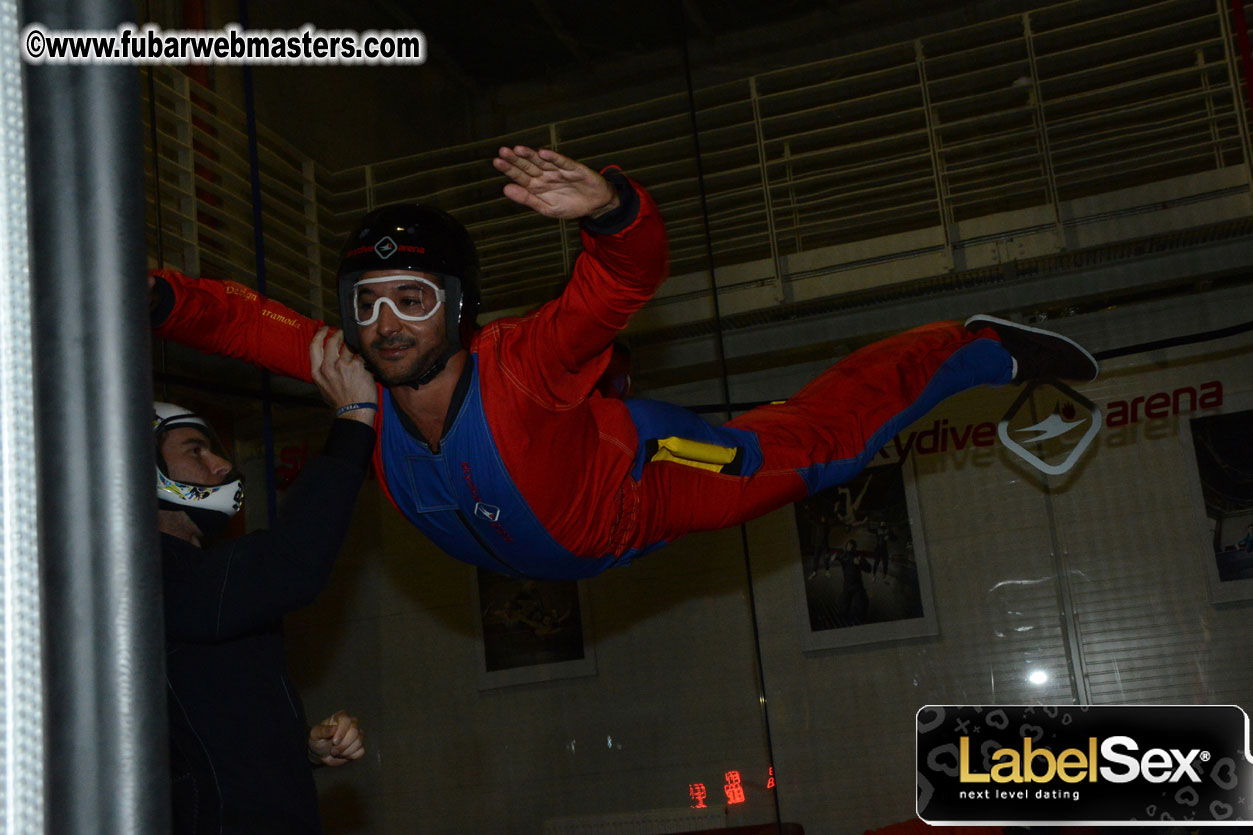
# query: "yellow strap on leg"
(694, 453)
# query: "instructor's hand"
(336, 740)
(554, 185)
(341, 375)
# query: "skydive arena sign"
(1024, 765)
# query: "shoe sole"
(994, 320)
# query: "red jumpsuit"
(552, 480)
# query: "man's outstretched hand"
(554, 185)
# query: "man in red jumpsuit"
(495, 441)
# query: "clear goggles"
(416, 300)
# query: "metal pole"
(943, 204)
(567, 258)
(104, 660)
(1046, 153)
(763, 165)
(720, 344)
(1233, 73)
(258, 240)
(21, 697)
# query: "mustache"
(393, 341)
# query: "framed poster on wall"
(530, 630)
(862, 563)
(1219, 446)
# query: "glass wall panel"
(829, 175)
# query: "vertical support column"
(1241, 26)
(1211, 117)
(567, 257)
(1046, 154)
(943, 205)
(105, 710)
(779, 290)
(21, 696)
(313, 247)
(791, 196)
(258, 244)
(154, 145)
(1242, 113)
(188, 227)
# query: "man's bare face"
(190, 459)
(397, 350)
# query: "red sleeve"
(558, 352)
(223, 317)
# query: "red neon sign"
(734, 789)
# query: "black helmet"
(410, 236)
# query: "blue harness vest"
(463, 499)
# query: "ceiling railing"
(994, 132)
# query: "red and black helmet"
(410, 236)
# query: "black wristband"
(165, 302)
(611, 223)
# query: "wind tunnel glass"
(416, 300)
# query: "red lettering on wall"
(291, 460)
(1163, 404)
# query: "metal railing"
(991, 131)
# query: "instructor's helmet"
(410, 236)
(210, 506)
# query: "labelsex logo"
(1107, 764)
(1157, 765)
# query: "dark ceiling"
(497, 42)
(493, 42)
(495, 67)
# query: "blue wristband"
(352, 407)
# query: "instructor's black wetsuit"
(237, 727)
